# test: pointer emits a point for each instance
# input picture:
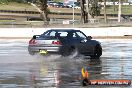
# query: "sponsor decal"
(86, 81)
(110, 82)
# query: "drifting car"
(64, 42)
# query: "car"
(55, 4)
(77, 7)
(65, 42)
(60, 4)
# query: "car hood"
(96, 42)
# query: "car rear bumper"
(49, 49)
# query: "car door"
(76, 41)
(85, 45)
(90, 46)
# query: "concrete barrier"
(29, 32)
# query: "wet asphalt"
(18, 69)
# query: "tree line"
(25, 1)
(93, 7)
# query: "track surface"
(20, 70)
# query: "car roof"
(67, 30)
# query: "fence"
(59, 13)
(58, 22)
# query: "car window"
(56, 33)
(81, 35)
(46, 33)
(52, 33)
(63, 34)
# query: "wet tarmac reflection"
(20, 70)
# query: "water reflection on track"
(20, 70)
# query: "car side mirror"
(89, 37)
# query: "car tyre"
(97, 52)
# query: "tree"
(92, 8)
(83, 12)
(3, 1)
(42, 4)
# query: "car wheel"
(97, 52)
